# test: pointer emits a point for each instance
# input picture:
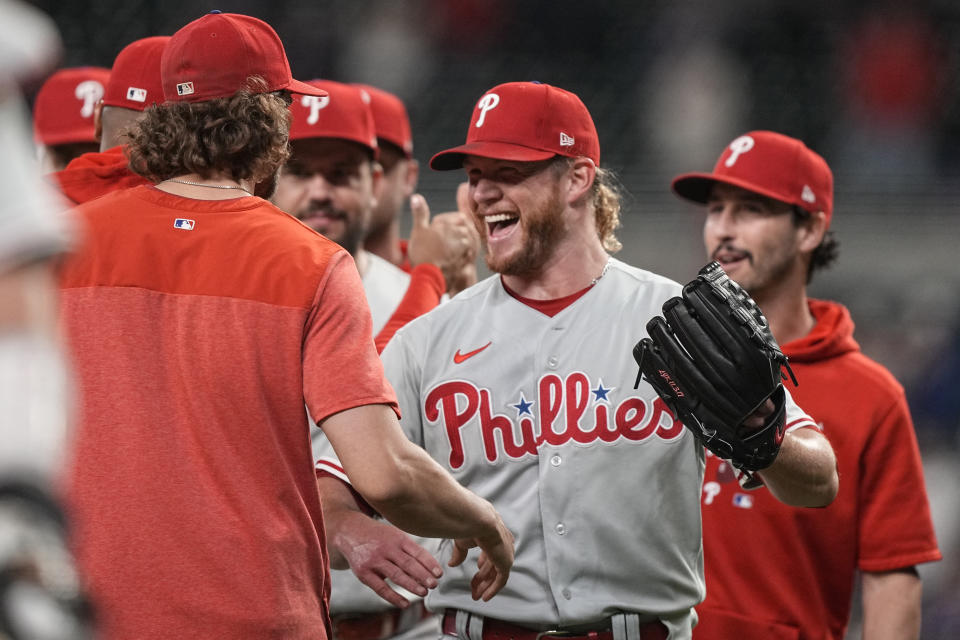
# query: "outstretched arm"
(409, 488)
(374, 550)
(805, 472)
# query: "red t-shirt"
(774, 571)
(94, 174)
(199, 330)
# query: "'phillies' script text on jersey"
(589, 417)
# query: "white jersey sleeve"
(796, 417)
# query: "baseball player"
(522, 387)
(134, 85)
(331, 183)
(63, 109)
(200, 327)
(769, 203)
(400, 174)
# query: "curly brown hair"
(245, 137)
(826, 252)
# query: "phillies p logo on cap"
(88, 91)
(769, 164)
(486, 103)
(737, 147)
(314, 104)
(525, 122)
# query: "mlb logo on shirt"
(136, 94)
(183, 223)
(742, 500)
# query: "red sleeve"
(423, 294)
(404, 250)
(896, 529)
(339, 338)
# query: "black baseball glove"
(714, 361)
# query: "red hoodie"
(95, 174)
(774, 571)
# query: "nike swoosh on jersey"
(460, 357)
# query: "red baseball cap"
(214, 57)
(342, 112)
(768, 163)
(525, 121)
(63, 109)
(135, 75)
(390, 118)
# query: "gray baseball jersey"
(596, 480)
(384, 285)
(347, 593)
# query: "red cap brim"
(696, 186)
(303, 88)
(453, 158)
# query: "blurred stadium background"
(872, 86)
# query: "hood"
(831, 336)
(95, 174)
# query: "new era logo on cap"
(184, 88)
(136, 94)
(565, 140)
(807, 195)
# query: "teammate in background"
(769, 202)
(63, 126)
(331, 182)
(400, 174)
(522, 386)
(133, 86)
(200, 327)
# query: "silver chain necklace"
(602, 273)
(209, 186)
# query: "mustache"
(322, 208)
(729, 248)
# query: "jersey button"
(552, 362)
(560, 529)
(566, 594)
(556, 460)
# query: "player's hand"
(758, 418)
(449, 240)
(378, 551)
(493, 565)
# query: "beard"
(766, 273)
(268, 186)
(542, 230)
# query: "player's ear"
(412, 177)
(812, 231)
(376, 176)
(582, 174)
(98, 120)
